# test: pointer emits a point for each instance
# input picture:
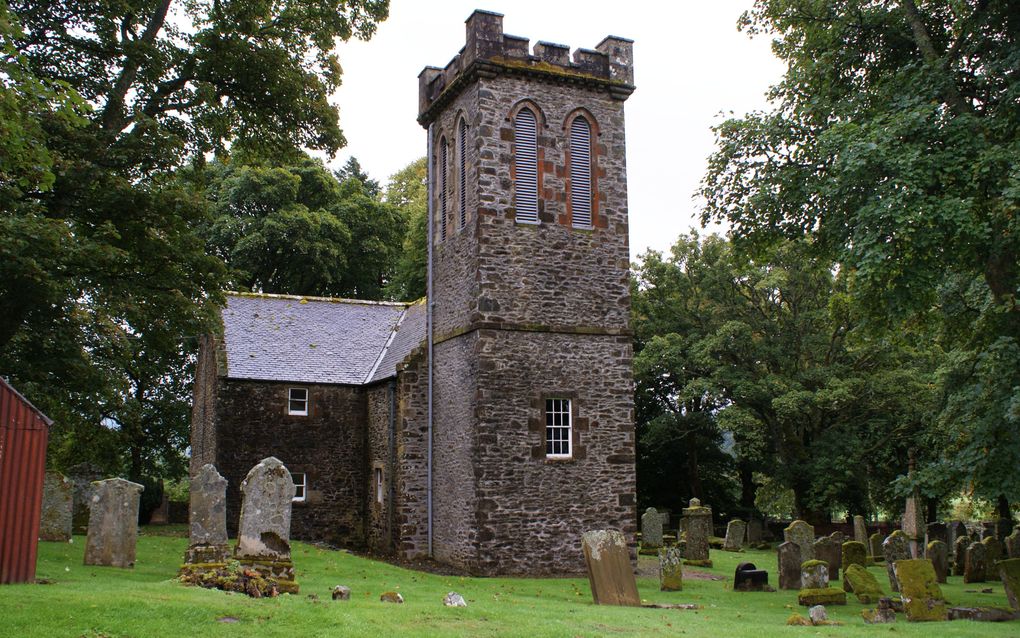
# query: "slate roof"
(316, 340)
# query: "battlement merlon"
(489, 52)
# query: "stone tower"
(533, 418)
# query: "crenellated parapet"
(489, 52)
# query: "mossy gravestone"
(875, 546)
(803, 536)
(974, 568)
(651, 529)
(922, 598)
(854, 553)
(938, 554)
(993, 554)
(113, 523)
(699, 528)
(671, 574)
(895, 548)
(208, 518)
(859, 581)
(55, 517)
(609, 572)
(1012, 543)
(263, 533)
(814, 576)
(1009, 571)
(960, 555)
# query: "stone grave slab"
(113, 523)
(735, 531)
(802, 535)
(859, 581)
(609, 570)
(57, 504)
(938, 553)
(671, 573)
(789, 565)
(895, 548)
(854, 553)
(922, 598)
(975, 566)
(263, 533)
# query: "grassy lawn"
(106, 602)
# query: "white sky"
(690, 65)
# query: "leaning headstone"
(937, 532)
(830, 551)
(735, 531)
(960, 555)
(938, 554)
(747, 577)
(814, 574)
(974, 567)
(858, 580)
(609, 572)
(875, 546)
(699, 528)
(860, 530)
(1012, 544)
(1009, 572)
(651, 529)
(921, 595)
(789, 565)
(854, 553)
(208, 518)
(671, 573)
(113, 523)
(803, 535)
(895, 548)
(754, 531)
(993, 554)
(263, 532)
(57, 499)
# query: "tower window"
(297, 401)
(378, 485)
(443, 153)
(462, 170)
(526, 165)
(557, 428)
(580, 172)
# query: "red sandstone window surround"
(581, 191)
(526, 166)
(462, 171)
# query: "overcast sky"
(690, 65)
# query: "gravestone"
(993, 554)
(609, 572)
(747, 577)
(937, 532)
(875, 546)
(754, 531)
(974, 568)
(802, 535)
(814, 574)
(830, 550)
(113, 523)
(960, 555)
(1003, 528)
(860, 530)
(671, 574)
(161, 515)
(956, 530)
(913, 526)
(1012, 544)
(263, 532)
(839, 537)
(82, 476)
(883, 614)
(651, 529)
(859, 581)
(789, 565)
(854, 553)
(895, 548)
(735, 531)
(208, 518)
(988, 528)
(57, 503)
(922, 598)
(1009, 572)
(699, 527)
(938, 554)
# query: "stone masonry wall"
(328, 446)
(379, 521)
(410, 512)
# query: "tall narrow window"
(580, 172)
(378, 485)
(557, 428)
(462, 170)
(443, 152)
(526, 165)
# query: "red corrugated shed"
(23, 434)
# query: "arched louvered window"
(462, 171)
(443, 154)
(526, 165)
(580, 172)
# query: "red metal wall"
(23, 434)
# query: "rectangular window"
(300, 485)
(557, 428)
(378, 485)
(297, 402)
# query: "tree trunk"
(693, 475)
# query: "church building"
(491, 424)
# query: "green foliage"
(408, 191)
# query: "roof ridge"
(386, 346)
(266, 295)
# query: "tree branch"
(924, 44)
(113, 113)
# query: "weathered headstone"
(82, 476)
(609, 572)
(960, 554)
(913, 527)
(747, 577)
(956, 530)
(57, 500)
(735, 531)
(938, 554)
(699, 528)
(814, 574)
(263, 532)
(113, 523)
(974, 567)
(875, 546)
(208, 518)
(854, 553)
(651, 529)
(830, 550)
(895, 548)
(754, 531)
(1009, 572)
(919, 590)
(883, 614)
(839, 537)
(993, 554)
(937, 532)
(1012, 544)
(161, 515)
(671, 573)
(858, 580)
(860, 530)
(789, 565)
(802, 535)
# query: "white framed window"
(580, 173)
(526, 166)
(297, 401)
(557, 428)
(300, 485)
(378, 485)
